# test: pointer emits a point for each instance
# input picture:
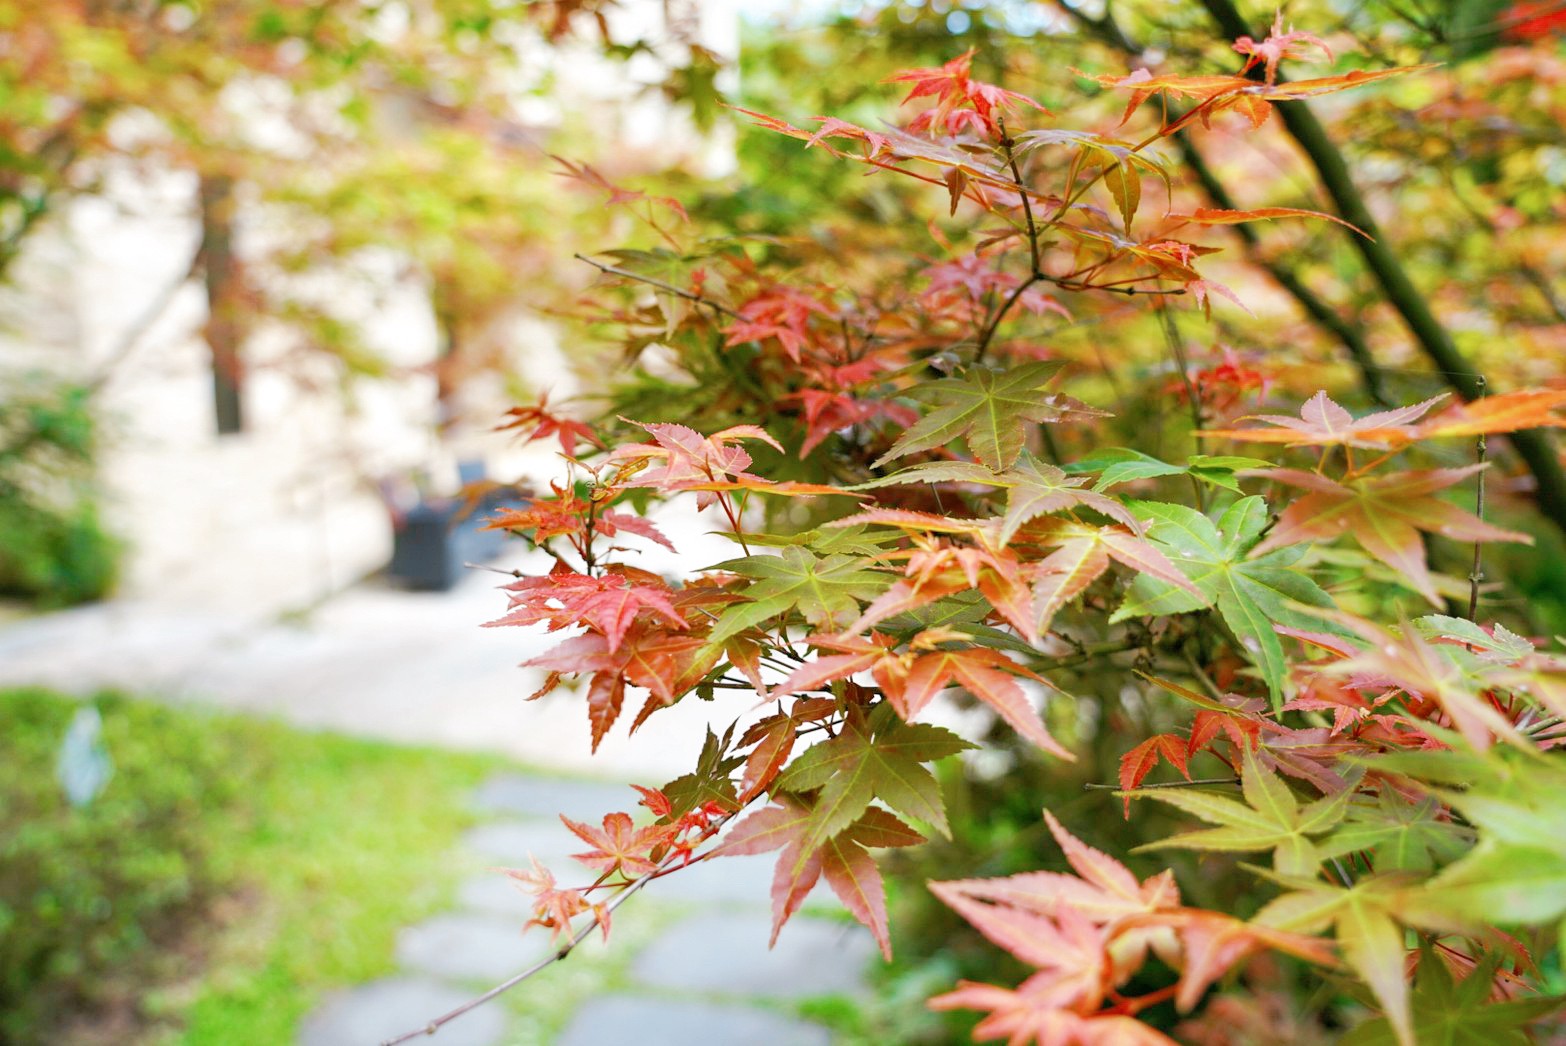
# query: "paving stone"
(661, 1022)
(548, 797)
(469, 946)
(381, 1010)
(745, 880)
(508, 844)
(727, 952)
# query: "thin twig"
(666, 865)
(1177, 349)
(1095, 786)
(494, 570)
(1027, 208)
(1201, 676)
(1036, 273)
(142, 324)
(691, 296)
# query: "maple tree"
(915, 478)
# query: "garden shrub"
(54, 548)
(86, 890)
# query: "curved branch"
(666, 866)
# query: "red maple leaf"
(912, 679)
(829, 412)
(1278, 45)
(553, 907)
(618, 194)
(1533, 20)
(843, 859)
(1139, 762)
(782, 313)
(960, 100)
(606, 603)
(546, 423)
(1384, 515)
(1323, 423)
(1080, 932)
(619, 846)
(567, 514)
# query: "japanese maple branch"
(1037, 275)
(1321, 313)
(691, 296)
(1176, 346)
(664, 867)
(1534, 446)
(1027, 207)
(1537, 279)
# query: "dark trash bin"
(434, 538)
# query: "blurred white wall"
(286, 512)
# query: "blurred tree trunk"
(224, 330)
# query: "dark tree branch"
(1534, 446)
(1321, 313)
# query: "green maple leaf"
(858, 540)
(879, 757)
(827, 590)
(1399, 835)
(1371, 940)
(989, 409)
(1271, 818)
(1251, 595)
(1117, 465)
(1496, 884)
(1459, 1014)
(1517, 872)
(710, 782)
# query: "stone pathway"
(373, 661)
(705, 975)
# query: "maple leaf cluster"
(1087, 935)
(961, 102)
(927, 514)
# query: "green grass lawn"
(233, 871)
(230, 873)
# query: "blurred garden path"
(372, 661)
(688, 962)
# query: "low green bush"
(82, 890)
(54, 549)
(231, 872)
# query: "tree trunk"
(224, 330)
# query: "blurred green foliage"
(54, 550)
(84, 890)
(231, 871)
